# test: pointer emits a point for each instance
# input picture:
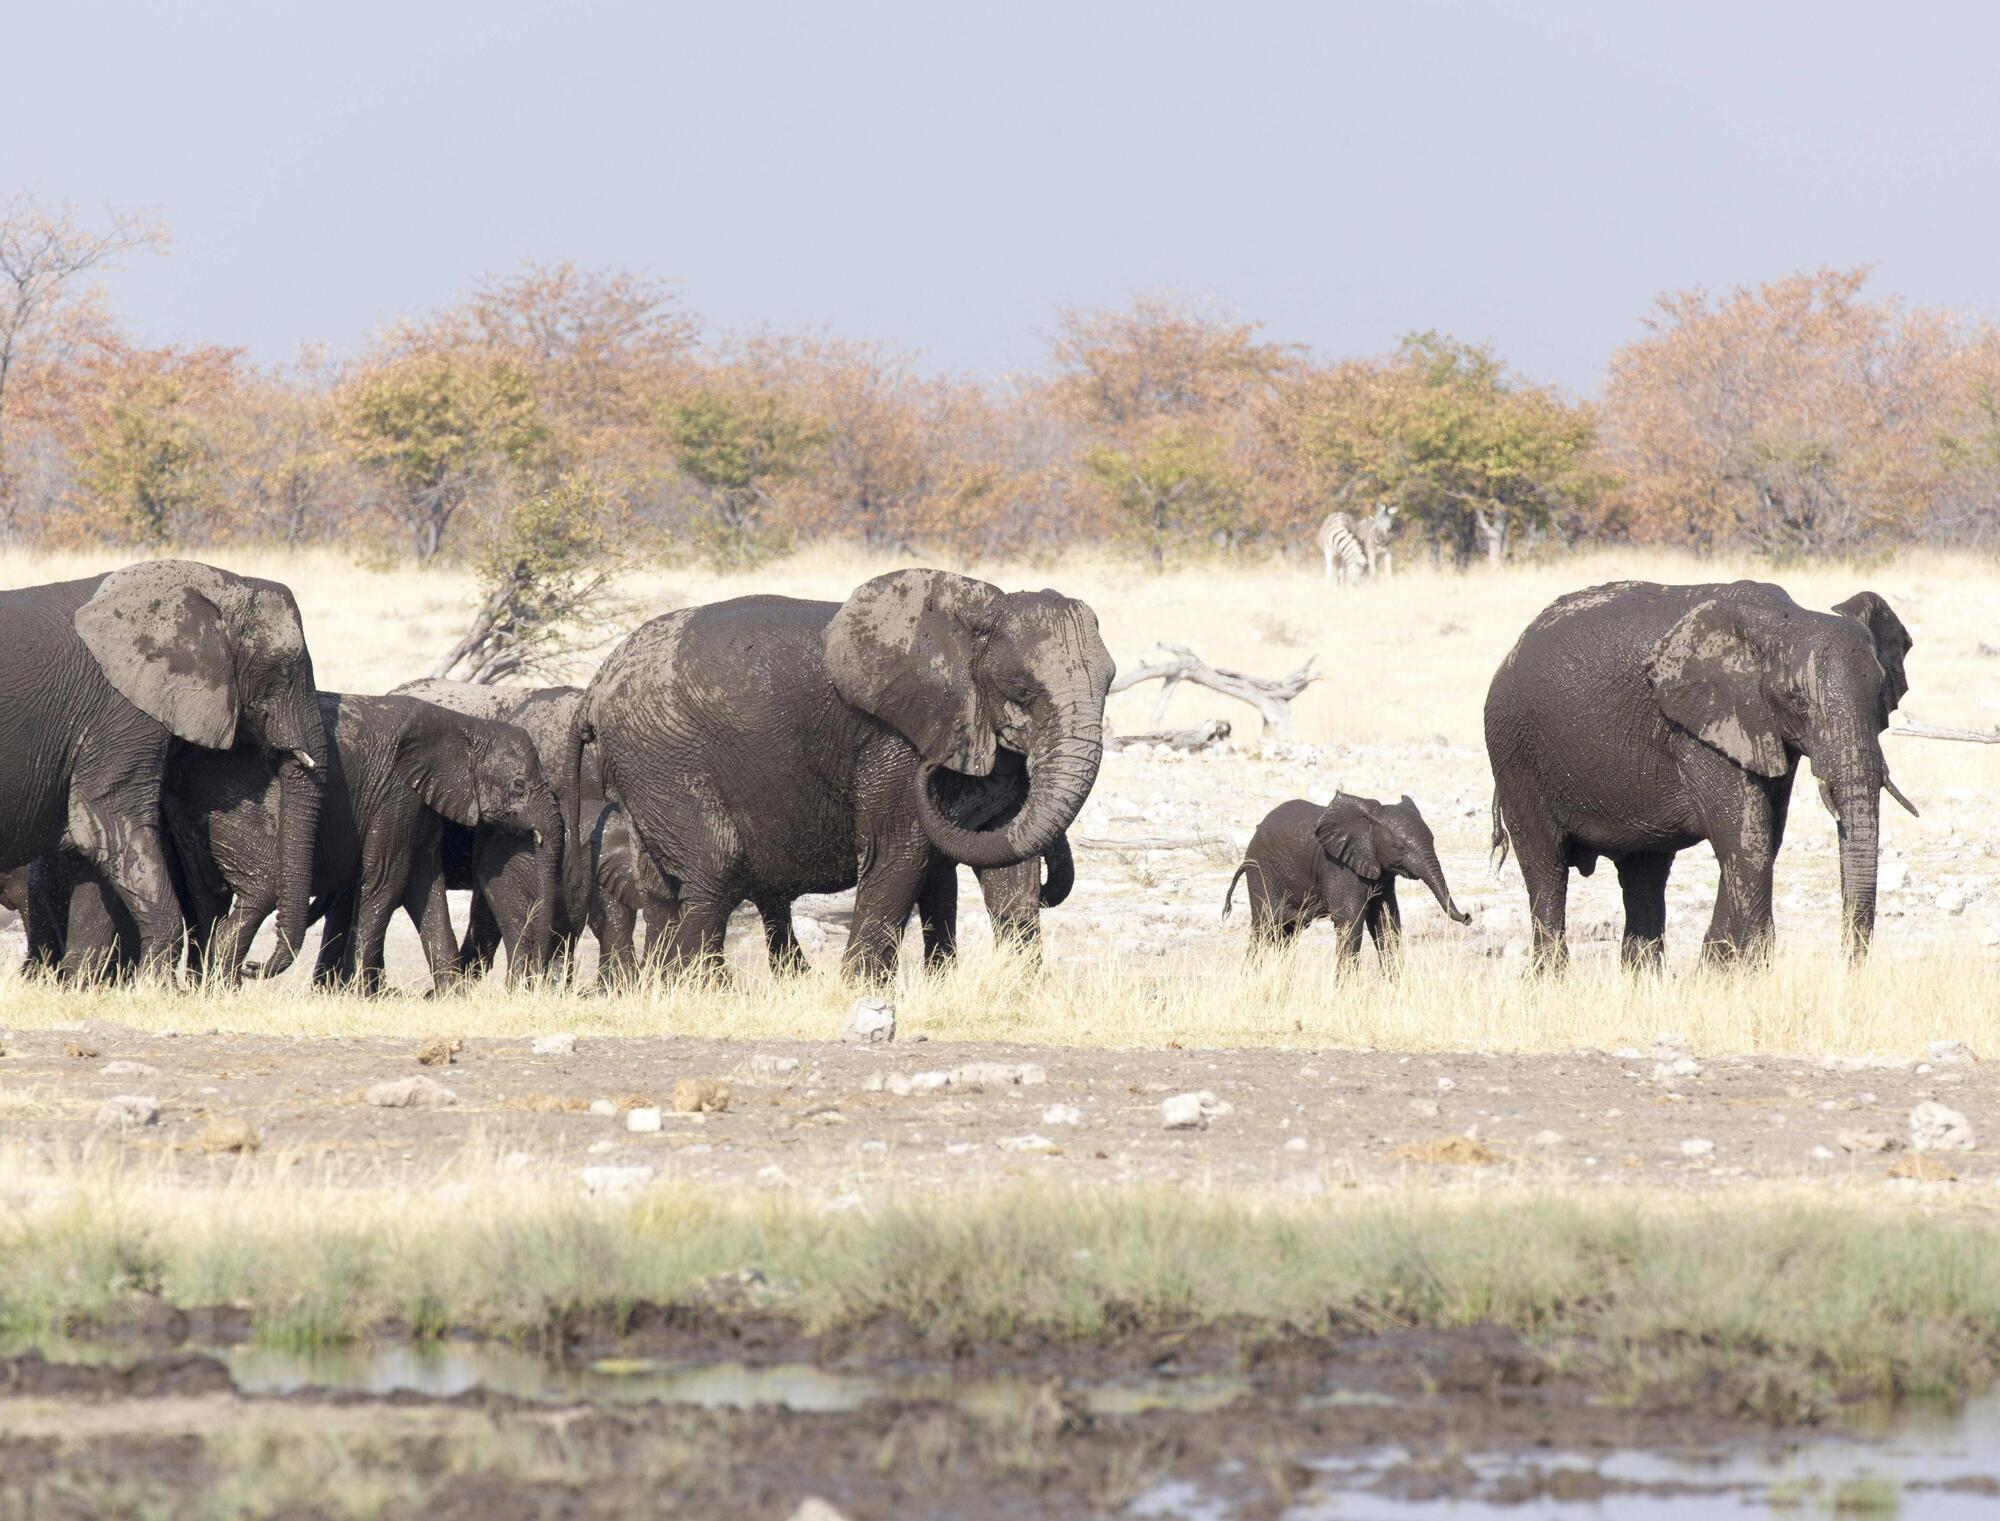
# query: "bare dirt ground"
(856, 1121)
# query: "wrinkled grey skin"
(767, 747)
(1015, 897)
(625, 887)
(1339, 862)
(509, 881)
(1633, 720)
(99, 677)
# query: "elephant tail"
(576, 854)
(1228, 896)
(1500, 837)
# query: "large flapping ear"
(1346, 832)
(1892, 643)
(902, 648)
(1709, 679)
(434, 758)
(162, 644)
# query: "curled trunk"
(1431, 874)
(1062, 765)
(1062, 872)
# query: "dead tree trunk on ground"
(1271, 698)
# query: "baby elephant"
(1339, 862)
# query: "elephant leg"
(1642, 879)
(699, 933)
(482, 939)
(613, 922)
(131, 861)
(1744, 850)
(781, 939)
(937, 911)
(1383, 919)
(47, 914)
(371, 928)
(425, 902)
(887, 892)
(1347, 937)
(229, 943)
(1540, 852)
(334, 965)
(100, 942)
(1013, 897)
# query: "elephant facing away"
(400, 769)
(1339, 862)
(768, 747)
(99, 677)
(1633, 720)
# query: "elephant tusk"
(538, 838)
(1897, 793)
(1826, 799)
(304, 760)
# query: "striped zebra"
(1357, 543)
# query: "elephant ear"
(163, 646)
(434, 759)
(902, 649)
(1892, 643)
(1346, 832)
(1709, 679)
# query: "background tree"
(149, 465)
(738, 441)
(1177, 486)
(47, 305)
(436, 429)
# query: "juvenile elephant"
(399, 770)
(1015, 897)
(625, 887)
(767, 747)
(99, 677)
(505, 876)
(1339, 862)
(1633, 720)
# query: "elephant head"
(221, 660)
(1374, 840)
(1762, 680)
(964, 672)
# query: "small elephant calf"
(1339, 862)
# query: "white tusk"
(304, 760)
(1897, 793)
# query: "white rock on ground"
(1864, 1142)
(1040, 1144)
(1892, 876)
(555, 1045)
(1679, 1067)
(998, 1075)
(870, 1021)
(128, 1111)
(1937, 1127)
(603, 1107)
(1697, 1146)
(1062, 1114)
(644, 1121)
(1296, 1143)
(411, 1093)
(1951, 901)
(764, 1065)
(1183, 1112)
(608, 1182)
(126, 1069)
(813, 1508)
(1951, 1052)
(1546, 1138)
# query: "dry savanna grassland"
(1666, 1204)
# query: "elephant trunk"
(300, 791)
(1062, 871)
(1431, 874)
(1858, 810)
(551, 850)
(1062, 765)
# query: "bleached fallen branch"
(1146, 842)
(1201, 737)
(1272, 698)
(1918, 730)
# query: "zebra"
(1358, 543)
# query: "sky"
(949, 176)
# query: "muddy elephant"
(1339, 862)
(625, 889)
(99, 678)
(505, 876)
(1015, 897)
(768, 747)
(399, 771)
(1632, 720)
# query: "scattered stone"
(762, 1065)
(1679, 1067)
(813, 1508)
(1062, 1114)
(224, 1133)
(1296, 1143)
(1936, 1127)
(1864, 1142)
(700, 1095)
(439, 1051)
(554, 1045)
(603, 1107)
(126, 1069)
(1452, 1151)
(644, 1121)
(998, 1075)
(1038, 1144)
(1424, 1109)
(772, 1176)
(959, 1149)
(601, 1148)
(1919, 1168)
(1697, 1146)
(870, 1021)
(1445, 1085)
(1951, 901)
(609, 1182)
(1546, 1138)
(1183, 1112)
(903, 1084)
(1821, 1153)
(1892, 876)
(410, 1093)
(129, 1111)
(1669, 1040)
(840, 1204)
(1951, 1052)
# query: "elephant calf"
(625, 886)
(1339, 862)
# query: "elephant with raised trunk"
(100, 677)
(1633, 720)
(1339, 862)
(767, 747)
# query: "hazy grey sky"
(946, 176)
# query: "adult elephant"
(99, 677)
(1633, 720)
(506, 876)
(767, 747)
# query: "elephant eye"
(518, 786)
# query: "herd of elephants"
(171, 776)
